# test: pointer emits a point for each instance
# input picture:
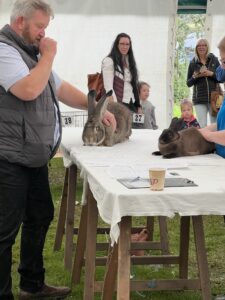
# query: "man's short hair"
(26, 8)
(221, 45)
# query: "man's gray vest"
(27, 127)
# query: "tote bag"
(95, 82)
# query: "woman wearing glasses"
(201, 75)
(120, 73)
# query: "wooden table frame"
(117, 276)
(65, 226)
(66, 216)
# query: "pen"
(135, 179)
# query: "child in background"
(189, 119)
(147, 107)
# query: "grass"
(176, 110)
(56, 274)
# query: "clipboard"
(139, 183)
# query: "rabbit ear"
(180, 124)
(91, 102)
(101, 106)
(173, 123)
(176, 124)
(109, 93)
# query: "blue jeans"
(202, 111)
(25, 199)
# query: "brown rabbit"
(95, 133)
(187, 142)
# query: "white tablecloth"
(101, 166)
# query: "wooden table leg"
(92, 222)
(81, 246)
(163, 235)
(62, 215)
(110, 274)
(184, 246)
(201, 257)
(123, 280)
(150, 227)
(72, 182)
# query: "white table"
(116, 204)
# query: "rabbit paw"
(156, 153)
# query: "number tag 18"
(67, 121)
(138, 118)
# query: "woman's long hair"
(196, 47)
(117, 58)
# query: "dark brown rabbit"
(95, 133)
(174, 142)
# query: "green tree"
(186, 25)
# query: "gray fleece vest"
(27, 127)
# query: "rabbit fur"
(186, 142)
(95, 133)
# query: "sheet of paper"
(138, 183)
(142, 171)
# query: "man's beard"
(27, 37)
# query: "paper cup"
(157, 178)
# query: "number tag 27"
(138, 118)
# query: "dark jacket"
(27, 127)
(192, 123)
(202, 87)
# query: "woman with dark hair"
(120, 73)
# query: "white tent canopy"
(215, 23)
(85, 31)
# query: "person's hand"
(48, 47)
(109, 120)
(207, 134)
(206, 73)
(196, 74)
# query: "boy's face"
(144, 92)
(222, 58)
(187, 112)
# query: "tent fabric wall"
(215, 23)
(85, 34)
(85, 31)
